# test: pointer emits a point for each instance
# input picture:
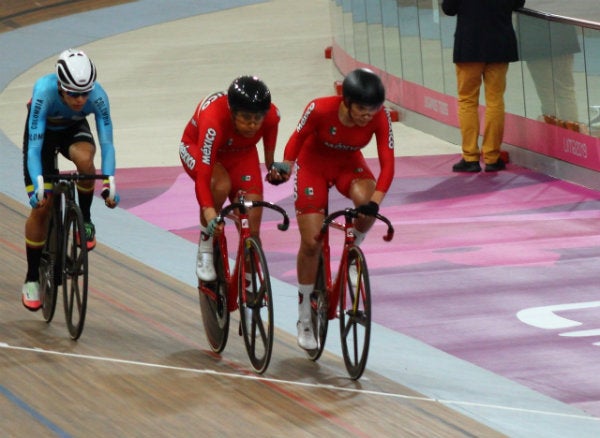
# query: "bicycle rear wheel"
(213, 305)
(256, 305)
(355, 313)
(319, 304)
(50, 275)
(75, 271)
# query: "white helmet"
(76, 72)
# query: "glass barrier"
(553, 65)
(410, 42)
(591, 55)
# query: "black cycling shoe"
(467, 166)
(495, 167)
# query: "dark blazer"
(484, 30)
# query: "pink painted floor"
(496, 269)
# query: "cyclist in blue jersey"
(56, 122)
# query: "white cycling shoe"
(205, 268)
(306, 337)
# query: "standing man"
(484, 44)
(56, 123)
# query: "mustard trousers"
(469, 77)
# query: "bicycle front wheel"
(50, 274)
(213, 304)
(75, 271)
(355, 313)
(319, 305)
(256, 305)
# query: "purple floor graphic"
(497, 269)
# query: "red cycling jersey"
(210, 137)
(329, 153)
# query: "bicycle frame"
(348, 297)
(242, 223)
(65, 257)
(334, 287)
(231, 291)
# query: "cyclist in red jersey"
(218, 151)
(326, 147)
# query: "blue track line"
(56, 430)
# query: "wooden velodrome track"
(142, 367)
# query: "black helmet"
(248, 93)
(364, 87)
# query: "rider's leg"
(254, 218)
(82, 155)
(255, 214)
(361, 192)
(306, 265)
(36, 226)
(35, 237)
(220, 187)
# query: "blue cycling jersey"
(50, 112)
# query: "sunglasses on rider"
(76, 94)
(71, 93)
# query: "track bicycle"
(64, 258)
(348, 297)
(248, 288)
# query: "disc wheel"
(213, 305)
(355, 313)
(256, 305)
(75, 271)
(319, 304)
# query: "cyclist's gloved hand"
(283, 171)
(281, 167)
(33, 200)
(115, 201)
(109, 193)
(37, 195)
(212, 225)
(370, 209)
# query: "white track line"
(296, 383)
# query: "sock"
(34, 254)
(359, 236)
(85, 202)
(304, 291)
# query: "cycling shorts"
(56, 141)
(243, 167)
(315, 177)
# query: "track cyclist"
(326, 147)
(218, 150)
(56, 121)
